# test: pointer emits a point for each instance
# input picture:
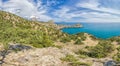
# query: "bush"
(35, 38)
(83, 56)
(59, 47)
(94, 38)
(101, 50)
(80, 64)
(69, 58)
(65, 39)
(117, 57)
(82, 52)
(118, 49)
(81, 35)
(79, 42)
(73, 61)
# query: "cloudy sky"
(65, 10)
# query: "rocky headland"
(69, 26)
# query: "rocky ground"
(37, 57)
(50, 56)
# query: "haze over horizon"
(65, 10)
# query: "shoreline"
(62, 26)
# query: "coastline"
(62, 26)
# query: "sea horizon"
(99, 29)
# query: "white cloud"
(26, 8)
(95, 13)
(95, 5)
(64, 14)
(101, 14)
(100, 17)
(0, 4)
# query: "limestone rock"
(37, 57)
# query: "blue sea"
(99, 30)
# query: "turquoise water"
(100, 30)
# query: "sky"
(65, 10)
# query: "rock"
(110, 63)
(97, 64)
(1, 47)
(37, 57)
(19, 47)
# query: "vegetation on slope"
(73, 61)
(14, 29)
(101, 50)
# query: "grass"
(69, 58)
(73, 61)
(79, 42)
(117, 57)
(80, 64)
(101, 50)
(14, 29)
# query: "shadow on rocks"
(12, 47)
(19, 47)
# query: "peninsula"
(61, 26)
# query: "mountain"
(14, 29)
(36, 43)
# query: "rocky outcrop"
(19, 47)
(69, 26)
(50, 56)
(37, 57)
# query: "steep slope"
(14, 29)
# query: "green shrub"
(79, 42)
(117, 39)
(73, 61)
(58, 46)
(65, 39)
(81, 35)
(101, 50)
(26, 36)
(118, 48)
(82, 52)
(80, 64)
(117, 57)
(93, 37)
(69, 58)
(83, 56)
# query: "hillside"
(32, 43)
(14, 29)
